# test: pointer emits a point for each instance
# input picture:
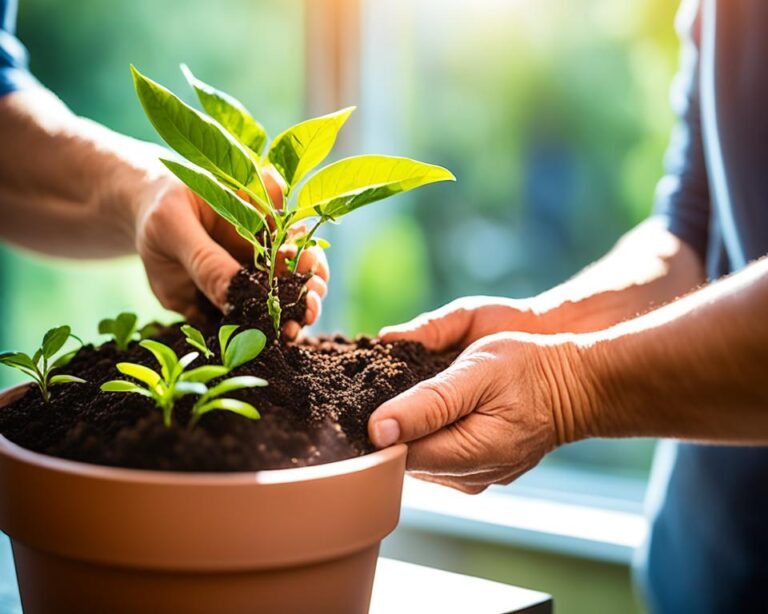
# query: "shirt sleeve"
(14, 72)
(682, 195)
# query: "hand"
(505, 402)
(465, 320)
(185, 245)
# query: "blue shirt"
(708, 548)
(14, 73)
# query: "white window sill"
(501, 516)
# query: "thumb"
(438, 330)
(427, 407)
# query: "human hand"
(505, 402)
(465, 320)
(185, 245)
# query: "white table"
(405, 588)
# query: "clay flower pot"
(89, 538)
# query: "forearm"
(695, 369)
(647, 268)
(69, 187)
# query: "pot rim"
(182, 478)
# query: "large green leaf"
(229, 112)
(302, 147)
(204, 374)
(144, 374)
(197, 137)
(221, 199)
(164, 355)
(350, 183)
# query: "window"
(553, 114)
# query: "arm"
(70, 187)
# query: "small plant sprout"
(41, 366)
(225, 152)
(175, 381)
(235, 350)
(123, 329)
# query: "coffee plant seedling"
(175, 381)
(41, 366)
(124, 329)
(225, 150)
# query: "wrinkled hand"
(185, 246)
(505, 402)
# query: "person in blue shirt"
(70, 187)
(666, 336)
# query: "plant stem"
(307, 239)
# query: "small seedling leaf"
(164, 355)
(244, 347)
(54, 340)
(238, 407)
(182, 388)
(236, 383)
(18, 360)
(229, 112)
(144, 374)
(119, 385)
(65, 379)
(64, 360)
(225, 332)
(302, 147)
(195, 338)
(204, 374)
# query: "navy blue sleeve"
(14, 74)
(682, 195)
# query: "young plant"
(175, 381)
(41, 366)
(123, 329)
(225, 151)
(235, 351)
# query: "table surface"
(406, 588)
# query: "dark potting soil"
(315, 409)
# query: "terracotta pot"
(88, 538)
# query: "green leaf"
(54, 340)
(149, 330)
(350, 183)
(225, 332)
(65, 379)
(182, 388)
(197, 137)
(204, 374)
(122, 328)
(235, 383)
(244, 347)
(17, 360)
(302, 147)
(195, 338)
(238, 407)
(221, 199)
(144, 374)
(164, 355)
(119, 385)
(229, 112)
(63, 360)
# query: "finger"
(314, 307)
(438, 330)
(455, 483)
(428, 406)
(291, 329)
(318, 285)
(313, 260)
(275, 185)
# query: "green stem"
(307, 239)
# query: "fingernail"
(386, 432)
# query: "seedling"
(235, 351)
(43, 363)
(123, 329)
(174, 381)
(225, 151)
